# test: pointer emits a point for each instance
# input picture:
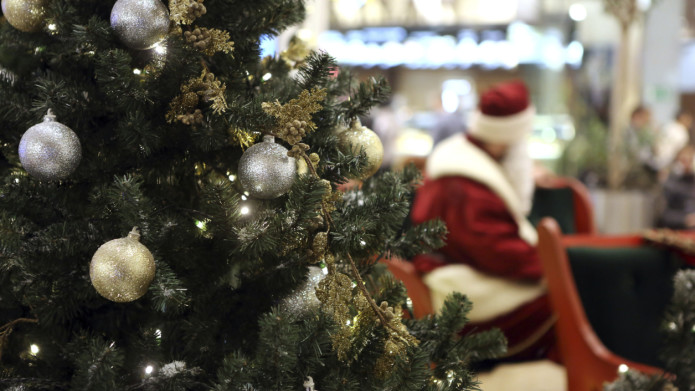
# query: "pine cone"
(195, 118)
(196, 10)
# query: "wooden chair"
(552, 200)
(417, 290)
(589, 363)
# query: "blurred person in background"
(641, 137)
(679, 192)
(481, 185)
(673, 137)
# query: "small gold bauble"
(25, 15)
(361, 137)
(122, 269)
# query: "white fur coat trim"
(491, 296)
(505, 130)
(456, 156)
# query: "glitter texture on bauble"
(140, 24)
(265, 170)
(304, 299)
(122, 269)
(50, 151)
(25, 15)
(357, 138)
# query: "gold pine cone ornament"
(122, 269)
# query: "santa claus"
(481, 185)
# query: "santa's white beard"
(518, 167)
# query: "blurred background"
(588, 64)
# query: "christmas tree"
(678, 353)
(246, 266)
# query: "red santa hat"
(505, 114)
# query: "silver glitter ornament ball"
(265, 170)
(304, 299)
(50, 151)
(122, 269)
(140, 24)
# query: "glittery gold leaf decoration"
(294, 117)
(241, 137)
(397, 343)
(186, 11)
(204, 88)
(319, 246)
(209, 41)
(335, 292)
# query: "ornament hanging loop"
(268, 138)
(49, 117)
(134, 234)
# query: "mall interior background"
(438, 54)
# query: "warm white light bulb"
(137, 71)
(160, 49)
(267, 76)
(245, 210)
(623, 368)
(52, 27)
(577, 12)
(34, 349)
(149, 369)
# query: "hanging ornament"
(358, 137)
(122, 269)
(265, 170)
(50, 150)
(25, 15)
(140, 24)
(304, 299)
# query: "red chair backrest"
(589, 363)
(417, 290)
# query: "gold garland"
(186, 11)
(294, 117)
(208, 41)
(670, 238)
(205, 88)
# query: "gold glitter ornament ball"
(265, 170)
(25, 15)
(122, 269)
(140, 24)
(50, 150)
(358, 137)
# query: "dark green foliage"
(212, 317)
(633, 380)
(678, 353)
(679, 339)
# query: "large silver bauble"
(50, 151)
(140, 24)
(122, 269)
(25, 15)
(265, 170)
(304, 299)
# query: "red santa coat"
(490, 253)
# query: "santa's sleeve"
(486, 231)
